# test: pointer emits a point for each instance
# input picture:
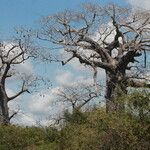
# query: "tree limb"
(19, 93)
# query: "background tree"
(76, 99)
(108, 37)
(13, 53)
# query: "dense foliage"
(92, 130)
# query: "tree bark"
(4, 110)
(115, 87)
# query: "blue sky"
(27, 13)
(15, 13)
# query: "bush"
(93, 130)
(117, 131)
(15, 137)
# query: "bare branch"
(20, 92)
(14, 114)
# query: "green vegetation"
(92, 130)
(16, 138)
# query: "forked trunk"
(115, 87)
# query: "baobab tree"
(109, 37)
(12, 53)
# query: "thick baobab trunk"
(4, 114)
(115, 87)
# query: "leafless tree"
(12, 53)
(108, 37)
(76, 99)
(77, 96)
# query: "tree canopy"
(109, 37)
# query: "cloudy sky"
(140, 3)
(27, 13)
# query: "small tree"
(110, 38)
(76, 98)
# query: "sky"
(27, 13)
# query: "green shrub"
(15, 137)
(93, 130)
(117, 131)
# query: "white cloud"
(64, 77)
(44, 107)
(13, 105)
(140, 3)
(77, 65)
(20, 118)
(24, 68)
(39, 103)
(10, 92)
(42, 102)
(68, 78)
(37, 109)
